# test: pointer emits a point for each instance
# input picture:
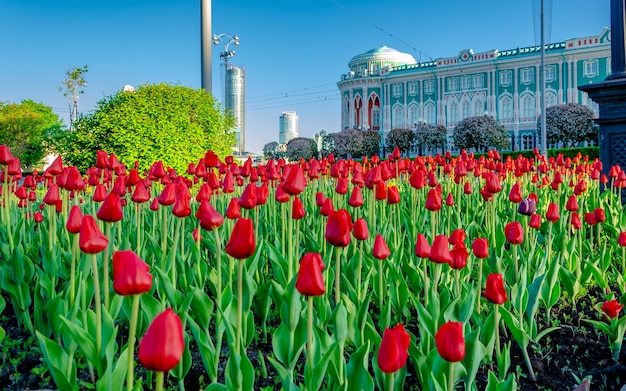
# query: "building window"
(414, 114)
(397, 117)
(528, 142)
(550, 73)
(397, 90)
(479, 108)
(430, 113)
(527, 76)
(608, 66)
(478, 81)
(375, 69)
(528, 106)
(550, 99)
(465, 107)
(506, 108)
(429, 86)
(453, 84)
(465, 83)
(413, 89)
(505, 78)
(454, 112)
(591, 68)
(376, 117)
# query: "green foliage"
(301, 147)
(569, 123)
(73, 82)
(401, 138)
(371, 143)
(175, 124)
(431, 136)
(27, 129)
(480, 133)
(273, 150)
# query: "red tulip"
(102, 160)
(514, 232)
(56, 167)
(181, 207)
(38, 217)
(515, 195)
(467, 188)
(393, 195)
(100, 193)
(356, 197)
(342, 186)
(208, 216)
(327, 207)
(204, 193)
(572, 203)
(111, 209)
(130, 274)
(233, 211)
(590, 218)
(91, 239)
(241, 244)
(310, 281)
(450, 342)
(360, 231)
(52, 195)
(494, 289)
(380, 250)
(480, 248)
(319, 198)
(163, 344)
(611, 308)
(262, 193)
(535, 221)
(248, 197)
(140, 194)
(433, 200)
(154, 205)
(553, 215)
(380, 191)
(297, 209)
(449, 200)
(168, 195)
(576, 223)
(6, 157)
(458, 257)
(197, 235)
(621, 239)
(422, 247)
(394, 349)
(457, 237)
(338, 228)
(439, 252)
(599, 215)
(492, 183)
(74, 220)
(295, 181)
(21, 193)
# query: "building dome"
(384, 56)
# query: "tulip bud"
(163, 344)
(310, 281)
(611, 308)
(494, 289)
(394, 349)
(450, 342)
(360, 231)
(380, 250)
(241, 244)
(130, 274)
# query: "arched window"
(479, 108)
(465, 106)
(397, 117)
(454, 112)
(506, 108)
(374, 112)
(528, 106)
(429, 110)
(528, 141)
(550, 98)
(414, 113)
(358, 105)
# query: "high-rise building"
(386, 89)
(235, 102)
(288, 127)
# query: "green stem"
(159, 381)
(130, 375)
(98, 304)
(359, 291)
(105, 263)
(528, 364)
(172, 254)
(239, 303)
(75, 254)
(496, 322)
(290, 249)
(390, 381)
(309, 342)
(337, 275)
(480, 282)
(380, 294)
(451, 377)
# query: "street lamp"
(227, 40)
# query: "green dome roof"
(384, 54)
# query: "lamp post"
(227, 40)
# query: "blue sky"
(294, 51)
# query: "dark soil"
(562, 360)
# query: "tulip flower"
(394, 349)
(514, 232)
(163, 344)
(494, 289)
(342, 186)
(576, 223)
(338, 228)
(38, 217)
(248, 197)
(168, 195)
(393, 195)
(6, 157)
(457, 237)
(480, 248)
(241, 244)
(111, 209)
(327, 207)
(208, 216)
(52, 195)
(553, 215)
(611, 308)
(572, 203)
(310, 281)
(92, 240)
(380, 192)
(233, 211)
(458, 257)
(297, 209)
(360, 230)
(590, 218)
(527, 207)
(433, 200)
(422, 247)
(140, 194)
(74, 220)
(599, 215)
(492, 183)
(295, 181)
(439, 252)
(449, 200)
(356, 197)
(621, 239)
(130, 274)
(535, 221)
(380, 250)
(515, 195)
(450, 342)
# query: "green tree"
(480, 133)
(401, 138)
(569, 123)
(371, 143)
(27, 129)
(301, 147)
(273, 150)
(74, 82)
(175, 124)
(431, 136)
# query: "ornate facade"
(386, 89)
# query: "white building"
(288, 127)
